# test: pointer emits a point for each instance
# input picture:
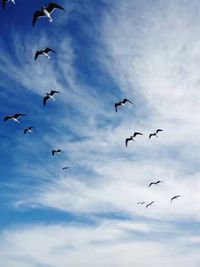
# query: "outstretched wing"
(37, 54)
(151, 135)
(54, 92)
(45, 100)
(127, 140)
(37, 15)
(53, 152)
(150, 184)
(159, 130)
(52, 6)
(18, 115)
(137, 133)
(126, 100)
(7, 118)
(116, 105)
(47, 50)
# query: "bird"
(55, 152)
(175, 197)
(44, 53)
(156, 133)
(28, 130)
(14, 117)
(49, 96)
(4, 2)
(45, 12)
(65, 168)
(141, 202)
(150, 204)
(132, 138)
(122, 103)
(155, 183)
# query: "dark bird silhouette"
(155, 183)
(44, 52)
(65, 168)
(141, 203)
(156, 133)
(175, 197)
(132, 138)
(49, 96)
(55, 152)
(4, 2)
(46, 12)
(28, 130)
(14, 117)
(150, 204)
(121, 103)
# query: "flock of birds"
(47, 12)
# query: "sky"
(106, 50)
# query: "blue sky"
(147, 51)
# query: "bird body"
(132, 137)
(45, 12)
(175, 197)
(28, 130)
(49, 96)
(156, 183)
(44, 52)
(55, 152)
(65, 168)
(156, 133)
(121, 103)
(14, 117)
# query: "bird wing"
(18, 115)
(4, 3)
(52, 6)
(54, 92)
(150, 135)
(147, 205)
(116, 105)
(47, 50)
(25, 131)
(126, 141)
(137, 133)
(37, 15)
(53, 152)
(37, 54)
(7, 118)
(45, 100)
(150, 184)
(126, 100)
(159, 130)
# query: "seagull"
(15, 117)
(141, 202)
(65, 168)
(55, 152)
(155, 183)
(122, 103)
(28, 130)
(45, 12)
(49, 96)
(175, 197)
(156, 133)
(150, 204)
(4, 2)
(132, 137)
(44, 53)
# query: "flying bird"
(15, 117)
(175, 197)
(132, 138)
(121, 103)
(65, 168)
(49, 96)
(44, 52)
(4, 2)
(28, 130)
(45, 12)
(141, 203)
(155, 183)
(150, 204)
(55, 152)
(156, 133)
